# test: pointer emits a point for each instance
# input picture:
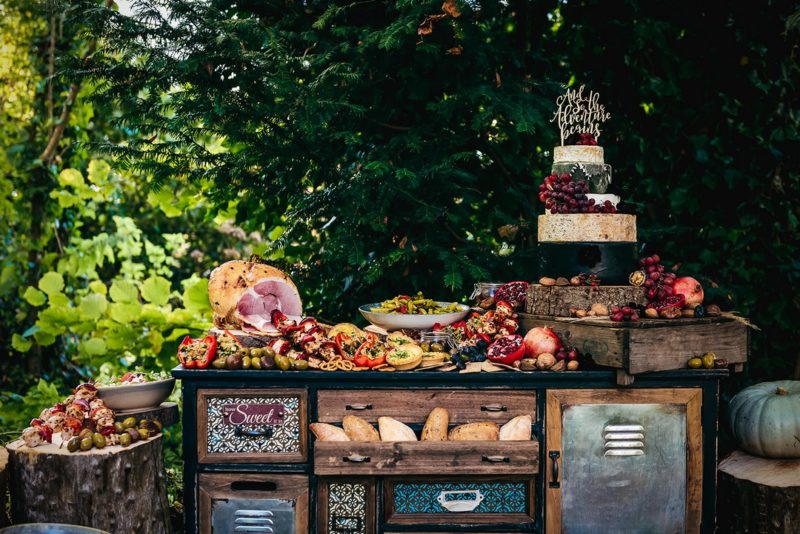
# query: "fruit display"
(560, 194)
(765, 419)
(418, 304)
(708, 360)
(436, 428)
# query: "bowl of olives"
(135, 395)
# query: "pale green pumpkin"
(765, 419)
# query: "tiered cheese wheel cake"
(603, 244)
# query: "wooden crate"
(650, 344)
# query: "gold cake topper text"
(577, 113)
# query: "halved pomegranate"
(513, 293)
(670, 307)
(506, 349)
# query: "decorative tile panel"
(347, 508)
(439, 497)
(254, 424)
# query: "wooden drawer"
(250, 502)
(459, 500)
(426, 458)
(414, 405)
(346, 506)
(251, 425)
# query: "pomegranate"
(670, 307)
(507, 349)
(541, 340)
(513, 293)
(691, 290)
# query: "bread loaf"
(485, 431)
(435, 428)
(358, 429)
(518, 429)
(326, 432)
(393, 430)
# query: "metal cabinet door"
(623, 461)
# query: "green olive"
(437, 347)
(268, 351)
(157, 424)
(299, 365)
(244, 352)
(99, 440)
(85, 433)
(125, 439)
(219, 363)
(283, 362)
(255, 352)
(74, 444)
(86, 444)
(144, 434)
(426, 347)
(255, 362)
(246, 362)
(129, 422)
(119, 428)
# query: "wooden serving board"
(649, 344)
(557, 300)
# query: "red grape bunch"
(586, 139)
(658, 283)
(561, 195)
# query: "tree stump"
(3, 485)
(758, 495)
(115, 489)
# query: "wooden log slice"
(115, 489)
(557, 300)
(758, 495)
(167, 413)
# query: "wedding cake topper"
(579, 114)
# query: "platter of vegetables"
(413, 312)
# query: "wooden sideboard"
(622, 459)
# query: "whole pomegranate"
(690, 289)
(541, 340)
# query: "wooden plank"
(649, 345)
(413, 406)
(426, 458)
(553, 443)
(220, 486)
(759, 494)
(557, 300)
(658, 349)
(3, 485)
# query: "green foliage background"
(369, 156)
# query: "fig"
(267, 361)
(687, 313)
(233, 362)
(712, 310)
(573, 365)
(670, 313)
(720, 363)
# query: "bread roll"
(518, 429)
(358, 429)
(435, 428)
(485, 431)
(326, 432)
(393, 430)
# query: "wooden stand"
(758, 495)
(114, 489)
(557, 300)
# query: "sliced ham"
(244, 294)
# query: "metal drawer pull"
(254, 513)
(460, 505)
(358, 407)
(496, 459)
(356, 459)
(624, 435)
(554, 455)
(494, 408)
(624, 452)
(254, 521)
(253, 529)
(623, 428)
(241, 432)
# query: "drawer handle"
(460, 505)
(358, 407)
(356, 459)
(241, 432)
(494, 408)
(554, 483)
(496, 459)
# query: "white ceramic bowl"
(136, 396)
(396, 321)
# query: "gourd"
(765, 419)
